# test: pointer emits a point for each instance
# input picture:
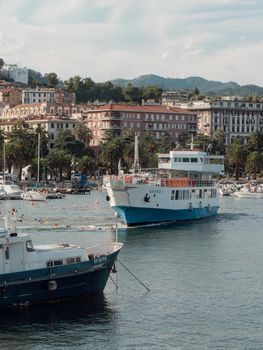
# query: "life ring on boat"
(190, 206)
(52, 285)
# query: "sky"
(108, 39)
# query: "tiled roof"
(7, 90)
(139, 108)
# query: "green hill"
(206, 87)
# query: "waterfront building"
(170, 97)
(8, 85)
(40, 95)
(18, 74)
(51, 124)
(39, 109)
(10, 96)
(157, 119)
(237, 117)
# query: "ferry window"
(49, 263)
(177, 194)
(172, 195)
(29, 246)
(177, 159)
(78, 259)
(6, 253)
(194, 160)
(58, 262)
(70, 260)
(186, 160)
(200, 193)
(186, 194)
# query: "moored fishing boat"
(33, 274)
(182, 188)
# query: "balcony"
(112, 116)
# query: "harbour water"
(205, 279)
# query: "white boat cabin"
(191, 161)
(18, 254)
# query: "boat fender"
(146, 180)
(113, 269)
(52, 285)
(209, 207)
(190, 206)
(147, 198)
(107, 198)
(200, 205)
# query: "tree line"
(72, 151)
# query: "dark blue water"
(205, 278)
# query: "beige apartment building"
(40, 95)
(51, 124)
(39, 109)
(235, 116)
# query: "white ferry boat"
(182, 188)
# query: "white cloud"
(111, 38)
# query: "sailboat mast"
(38, 157)
(4, 161)
(136, 168)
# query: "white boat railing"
(123, 181)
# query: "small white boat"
(3, 194)
(13, 191)
(34, 195)
(248, 192)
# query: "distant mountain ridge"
(206, 87)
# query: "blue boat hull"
(141, 216)
(70, 281)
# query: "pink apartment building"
(157, 119)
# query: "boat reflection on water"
(87, 309)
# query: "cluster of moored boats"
(251, 189)
(13, 191)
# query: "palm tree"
(110, 153)
(86, 165)
(58, 162)
(254, 163)
(83, 134)
(255, 141)
(19, 149)
(237, 155)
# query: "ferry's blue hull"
(70, 281)
(142, 216)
